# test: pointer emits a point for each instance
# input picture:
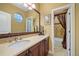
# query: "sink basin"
(19, 44)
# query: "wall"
(77, 29)
(47, 9)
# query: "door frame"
(72, 6)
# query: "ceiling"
(21, 6)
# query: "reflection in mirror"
(18, 17)
(32, 22)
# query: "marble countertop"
(6, 50)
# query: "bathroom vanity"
(39, 49)
(32, 46)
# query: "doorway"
(59, 34)
(60, 47)
(70, 36)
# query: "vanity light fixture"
(33, 6)
(25, 5)
(30, 6)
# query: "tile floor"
(58, 49)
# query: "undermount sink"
(19, 44)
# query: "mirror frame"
(22, 33)
(39, 18)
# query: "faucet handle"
(17, 38)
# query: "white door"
(5, 22)
(68, 31)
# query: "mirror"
(17, 17)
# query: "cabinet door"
(46, 46)
(34, 51)
(41, 48)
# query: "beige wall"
(47, 9)
(77, 29)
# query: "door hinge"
(69, 13)
(69, 49)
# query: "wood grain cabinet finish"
(39, 49)
(34, 51)
(46, 46)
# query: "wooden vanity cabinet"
(34, 50)
(46, 46)
(39, 49)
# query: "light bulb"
(29, 8)
(33, 6)
(25, 5)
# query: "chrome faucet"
(18, 38)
